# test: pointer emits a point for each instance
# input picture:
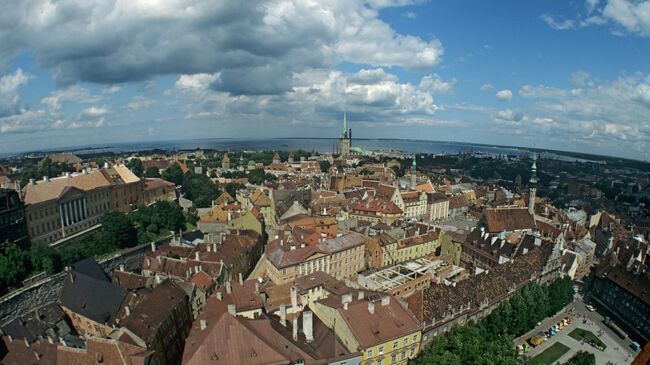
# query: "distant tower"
(344, 142)
(225, 162)
(533, 186)
(413, 174)
(276, 158)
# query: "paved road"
(618, 351)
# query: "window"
(415, 338)
(393, 359)
(369, 353)
(395, 344)
(406, 342)
(381, 350)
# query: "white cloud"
(625, 17)
(72, 94)
(633, 16)
(504, 95)
(557, 24)
(111, 89)
(9, 85)
(140, 102)
(255, 46)
(409, 15)
(435, 84)
(487, 87)
(93, 112)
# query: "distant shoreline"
(236, 144)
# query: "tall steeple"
(344, 141)
(413, 173)
(533, 186)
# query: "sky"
(557, 74)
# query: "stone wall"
(47, 290)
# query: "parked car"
(590, 307)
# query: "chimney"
(371, 307)
(257, 287)
(360, 295)
(283, 315)
(345, 305)
(294, 300)
(158, 279)
(153, 246)
(67, 174)
(385, 300)
(241, 279)
(127, 310)
(122, 267)
(32, 182)
(196, 256)
(105, 165)
(209, 248)
(219, 297)
(46, 178)
(228, 288)
(204, 324)
(295, 328)
(307, 326)
(232, 310)
(229, 216)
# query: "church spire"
(345, 124)
(533, 186)
(533, 172)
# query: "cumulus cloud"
(487, 87)
(409, 15)
(624, 16)
(599, 113)
(93, 112)
(371, 94)
(557, 24)
(504, 95)
(9, 97)
(435, 84)
(73, 94)
(256, 46)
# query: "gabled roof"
(509, 219)
(88, 291)
(42, 191)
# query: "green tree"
(174, 174)
(118, 231)
(200, 190)
(152, 172)
(364, 171)
(325, 166)
(232, 188)
(44, 258)
(13, 266)
(135, 165)
(258, 177)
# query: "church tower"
(413, 174)
(533, 186)
(345, 140)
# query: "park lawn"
(587, 336)
(550, 355)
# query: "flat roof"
(394, 276)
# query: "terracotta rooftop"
(42, 191)
(509, 219)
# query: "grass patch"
(588, 337)
(550, 355)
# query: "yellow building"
(411, 248)
(374, 324)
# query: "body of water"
(321, 145)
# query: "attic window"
(99, 357)
(214, 356)
(253, 354)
